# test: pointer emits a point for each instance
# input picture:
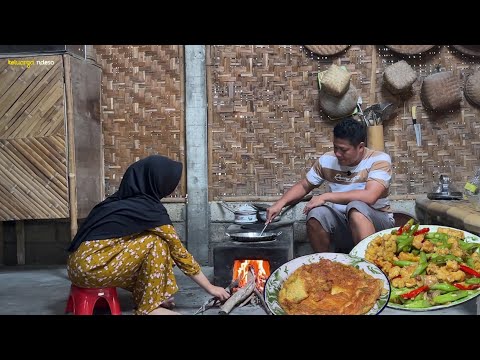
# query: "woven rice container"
(472, 88)
(399, 77)
(335, 80)
(441, 91)
(326, 50)
(341, 106)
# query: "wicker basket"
(338, 107)
(335, 80)
(441, 91)
(399, 77)
(472, 50)
(409, 49)
(472, 88)
(326, 50)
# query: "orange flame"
(261, 269)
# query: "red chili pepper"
(469, 270)
(400, 231)
(413, 293)
(467, 287)
(422, 231)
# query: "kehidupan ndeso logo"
(29, 63)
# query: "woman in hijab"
(128, 241)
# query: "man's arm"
(295, 193)
(373, 191)
(370, 195)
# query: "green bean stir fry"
(426, 268)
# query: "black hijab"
(136, 205)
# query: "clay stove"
(228, 255)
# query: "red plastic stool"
(81, 301)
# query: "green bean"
(473, 280)
(403, 263)
(449, 297)
(443, 287)
(421, 266)
(468, 247)
(417, 304)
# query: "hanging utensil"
(416, 127)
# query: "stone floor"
(32, 290)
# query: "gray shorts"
(336, 222)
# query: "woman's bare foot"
(168, 304)
(163, 311)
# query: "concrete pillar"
(198, 217)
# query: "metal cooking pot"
(245, 214)
(253, 236)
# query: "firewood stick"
(239, 296)
(262, 301)
(213, 300)
(245, 302)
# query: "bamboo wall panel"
(266, 127)
(142, 106)
(33, 174)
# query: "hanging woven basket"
(326, 50)
(473, 50)
(472, 88)
(409, 49)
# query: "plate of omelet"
(327, 284)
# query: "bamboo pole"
(208, 62)
(275, 198)
(373, 76)
(181, 55)
(71, 146)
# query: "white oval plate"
(360, 249)
(276, 279)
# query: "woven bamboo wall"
(266, 128)
(142, 107)
(33, 173)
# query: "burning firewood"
(240, 295)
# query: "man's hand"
(313, 203)
(273, 211)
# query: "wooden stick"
(262, 301)
(72, 183)
(239, 296)
(247, 300)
